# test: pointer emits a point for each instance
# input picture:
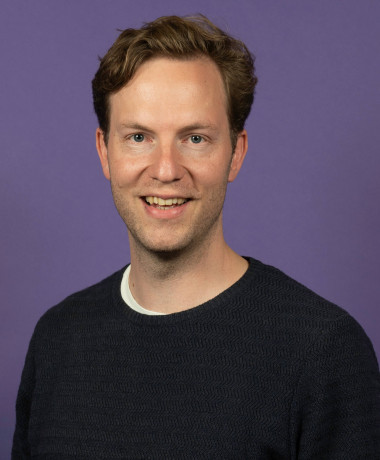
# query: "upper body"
(172, 99)
(266, 369)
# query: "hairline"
(186, 57)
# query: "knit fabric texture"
(265, 370)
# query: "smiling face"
(169, 155)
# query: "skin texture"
(169, 137)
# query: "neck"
(176, 281)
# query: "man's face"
(169, 155)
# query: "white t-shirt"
(127, 296)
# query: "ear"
(102, 152)
(238, 155)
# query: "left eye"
(138, 137)
(195, 139)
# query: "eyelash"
(132, 137)
(198, 136)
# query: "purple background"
(306, 201)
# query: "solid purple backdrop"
(307, 200)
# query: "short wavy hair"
(180, 38)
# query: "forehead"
(163, 86)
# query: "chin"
(166, 249)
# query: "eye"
(196, 139)
(138, 137)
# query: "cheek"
(124, 173)
(214, 174)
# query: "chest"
(128, 395)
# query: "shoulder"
(91, 302)
(291, 310)
(290, 296)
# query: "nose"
(166, 165)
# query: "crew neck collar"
(242, 285)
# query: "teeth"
(162, 202)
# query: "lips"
(162, 203)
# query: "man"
(191, 351)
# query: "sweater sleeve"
(336, 406)
(20, 448)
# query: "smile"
(161, 203)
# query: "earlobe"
(102, 152)
(238, 155)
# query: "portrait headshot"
(190, 230)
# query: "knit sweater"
(265, 370)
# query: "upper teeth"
(162, 202)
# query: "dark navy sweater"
(265, 370)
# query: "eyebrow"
(135, 126)
(187, 128)
(197, 126)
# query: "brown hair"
(178, 38)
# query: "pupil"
(196, 139)
(138, 137)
